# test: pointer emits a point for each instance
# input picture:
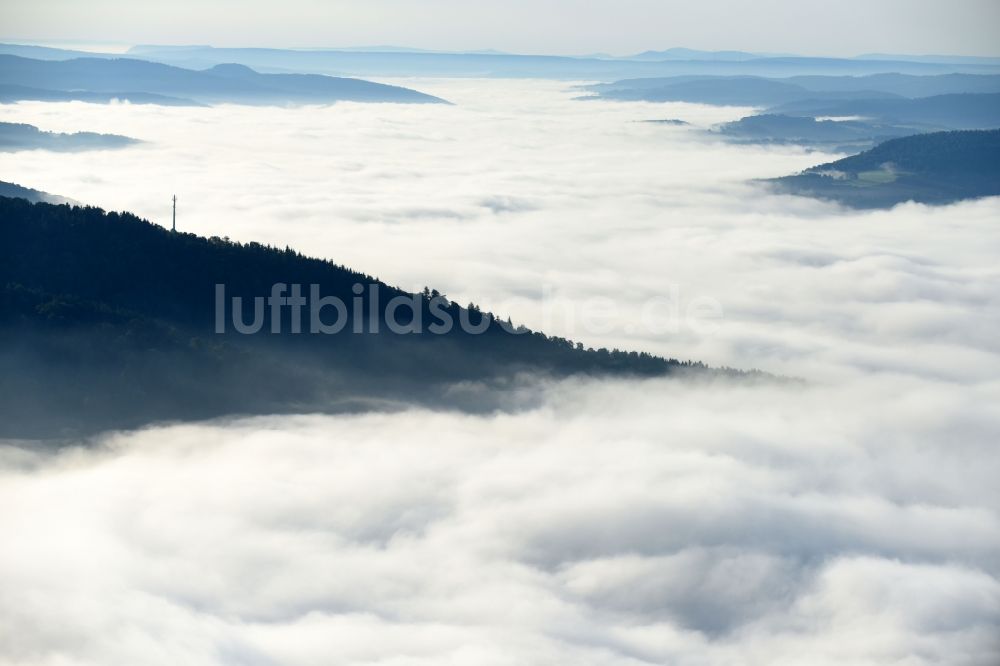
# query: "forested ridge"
(935, 168)
(108, 320)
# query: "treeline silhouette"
(107, 320)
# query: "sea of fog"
(850, 518)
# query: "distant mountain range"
(941, 58)
(771, 92)
(125, 78)
(935, 168)
(20, 136)
(725, 91)
(903, 85)
(108, 321)
(390, 61)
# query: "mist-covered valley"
(570, 217)
(614, 523)
(848, 516)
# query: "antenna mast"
(174, 226)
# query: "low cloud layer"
(851, 518)
(655, 522)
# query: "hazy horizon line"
(114, 47)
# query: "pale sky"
(841, 27)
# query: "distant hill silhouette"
(904, 85)
(220, 84)
(840, 136)
(869, 109)
(678, 53)
(719, 90)
(107, 320)
(812, 90)
(20, 136)
(393, 61)
(9, 94)
(935, 168)
(35, 196)
(954, 111)
(374, 62)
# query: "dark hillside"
(936, 168)
(110, 321)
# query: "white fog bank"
(618, 523)
(853, 518)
